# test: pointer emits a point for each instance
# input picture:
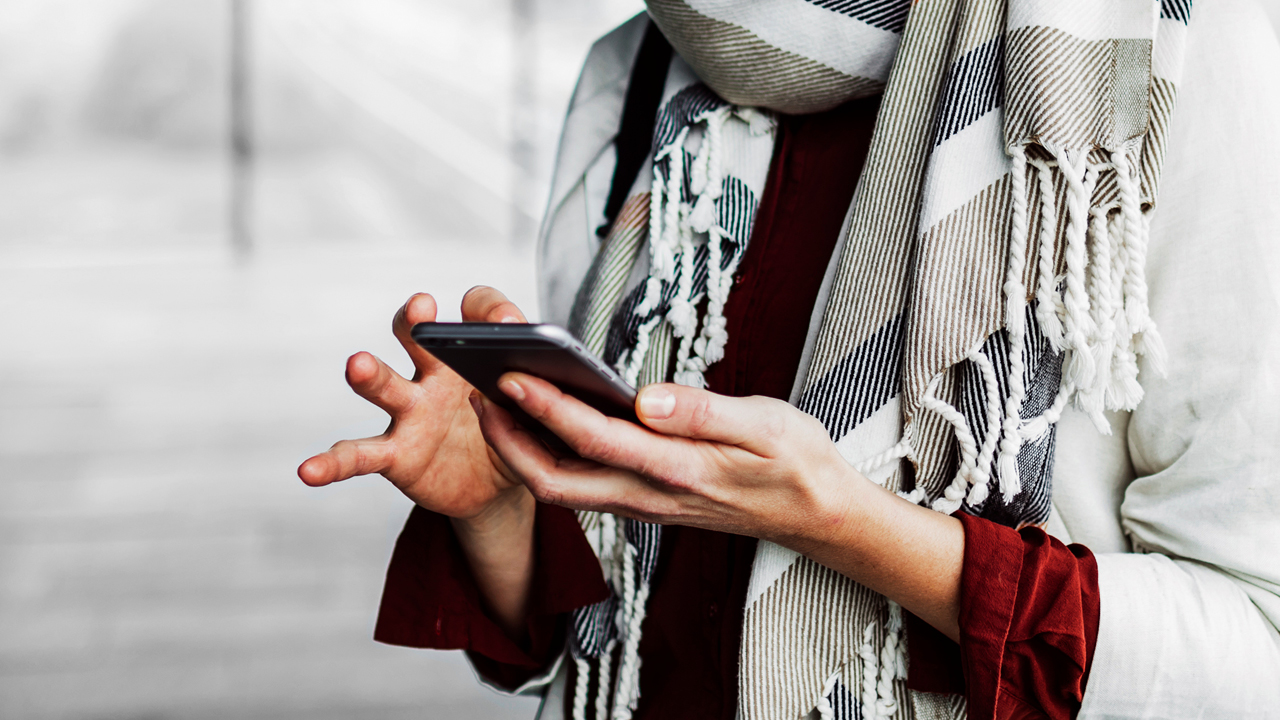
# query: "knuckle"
(775, 424)
(597, 447)
(407, 398)
(386, 395)
(346, 455)
(701, 415)
(540, 483)
(377, 381)
(538, 409)
(543, 490)
(362, 460)
(817, 430)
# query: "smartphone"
(482, 352)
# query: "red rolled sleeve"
(1028, 626)
(430, 599)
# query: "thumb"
(752, 423)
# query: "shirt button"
(713, 610)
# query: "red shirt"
(1030, 605)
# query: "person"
(914, 294)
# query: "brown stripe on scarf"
(957, 300)
(741, 66)
(787, 670)
(607, 277)
(874, 268)
(1055, 78)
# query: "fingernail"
(476, 403)
(512, 389)
(657, 403)
(510, 319)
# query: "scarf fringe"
(616, 695)
(679, 222)
(674, 227)
(880, 672)
(826, 711)
(1096, 313)
(581, 687)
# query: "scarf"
(990, 273)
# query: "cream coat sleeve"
(585, 160)
(1188, 625)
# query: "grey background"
(158, 557)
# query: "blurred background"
(205, 207)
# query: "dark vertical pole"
(524, 76)
(240, 219)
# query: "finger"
(374, 381)
(485, 304)
(420, 308)
(571, 482)
(752, 423)
(613, 442)
(346, 459)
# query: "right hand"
(432, 450)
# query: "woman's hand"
(434, 453)
(751, 466)
(745, 465)
(432, 450)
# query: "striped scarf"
(990, 274)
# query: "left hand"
(749, 466)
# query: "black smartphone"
(482, 352)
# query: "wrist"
(906, 552)
(511, 509)
(838, 502)
(498, 543)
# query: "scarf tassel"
(1100, 319)
(674, 223)
(617, 695)
(1096, 314)
(880, 671)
